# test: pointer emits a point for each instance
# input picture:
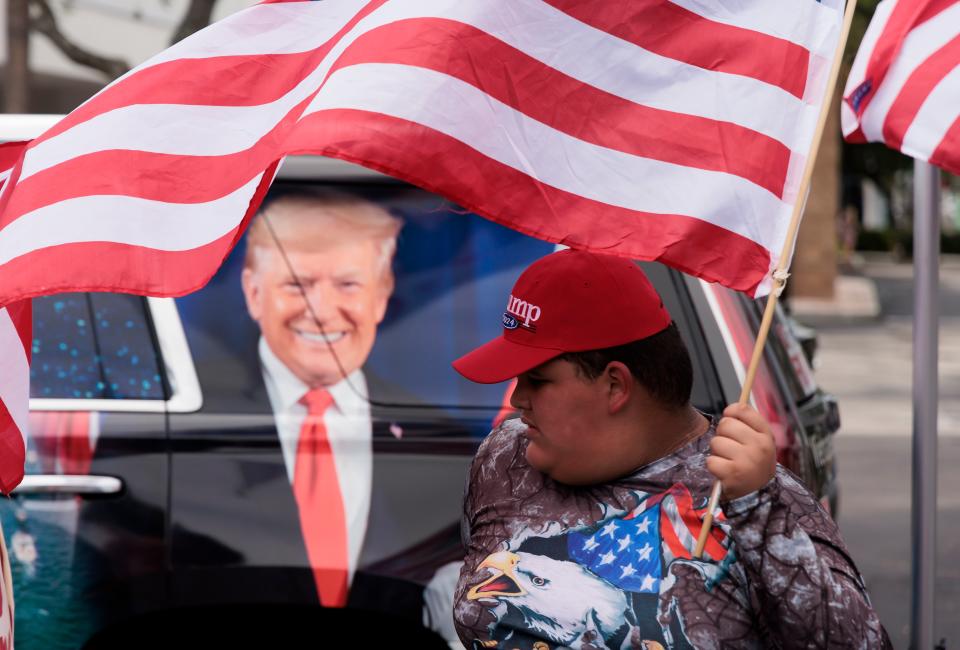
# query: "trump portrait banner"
(670, 130)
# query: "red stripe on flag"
(244, 80)
(145, 271)
(667, 29)
(947, 153)
(569, 105)
(414, 153)
(916, 90)
(10, 153)
(12, 452)
(932, 9)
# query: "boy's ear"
(621, 385)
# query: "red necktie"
(317, 491)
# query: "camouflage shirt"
(609, 566)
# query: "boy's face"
(567, 417)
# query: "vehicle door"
(86, 529)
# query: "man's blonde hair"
(312, 219)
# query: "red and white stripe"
(680, 524)
(15, 334)
(655, 129)
(904, 87)
(15, 328)
(680, 527)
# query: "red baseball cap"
(568, 301)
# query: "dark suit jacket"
(232, 506)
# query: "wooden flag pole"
(780, 275)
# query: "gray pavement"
(865, 360)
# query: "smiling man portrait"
(317, 278)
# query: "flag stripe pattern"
(16, 328)
(576, 122)
(904, 86)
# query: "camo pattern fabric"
(610, 566)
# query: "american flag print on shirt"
(626, 551)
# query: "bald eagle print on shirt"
(582, 587)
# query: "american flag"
(904, 86)
(655, 129)
(631, 552)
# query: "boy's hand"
(743, 454)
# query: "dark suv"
(158, 503)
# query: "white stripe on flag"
(935, 117)
(785, 20)
(126, 220)
(201, 130)
(465, 113)
(14, 373)
(678, 525)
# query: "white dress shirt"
(349, 429)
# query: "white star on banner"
(591, 544)
(609, 528)
(624, 543)
(606, 558)
(645, 552)
(648, 582)
(628, 571)
(644, 525)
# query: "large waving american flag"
(671, 130)
(904, 87)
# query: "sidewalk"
(855, 298)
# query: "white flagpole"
(926, 262)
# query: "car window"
(670, 292)
(94, 346)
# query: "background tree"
(43, 20)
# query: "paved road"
(867, 364)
